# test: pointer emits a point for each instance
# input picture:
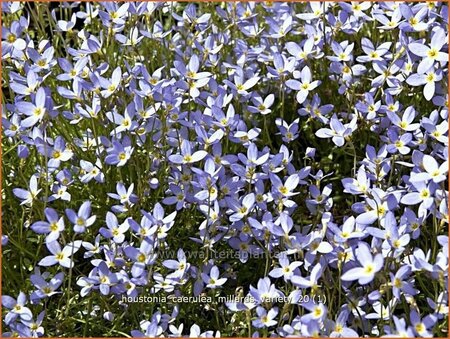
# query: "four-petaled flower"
(370, 265)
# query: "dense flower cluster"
(293, 156)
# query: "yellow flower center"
(346, 69)
(425, 193)
(420, 328)
(37, 111)
(283, 190)
(369, 269)
(432, 53)
(318, 311)
(47, 290)
(11, 38)
(242, 210)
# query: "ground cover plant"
(225, 169)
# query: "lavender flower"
(83, 218)
(370, 265)
(212, 280)
(60, 256)
(53, 227)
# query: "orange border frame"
(216, 1)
